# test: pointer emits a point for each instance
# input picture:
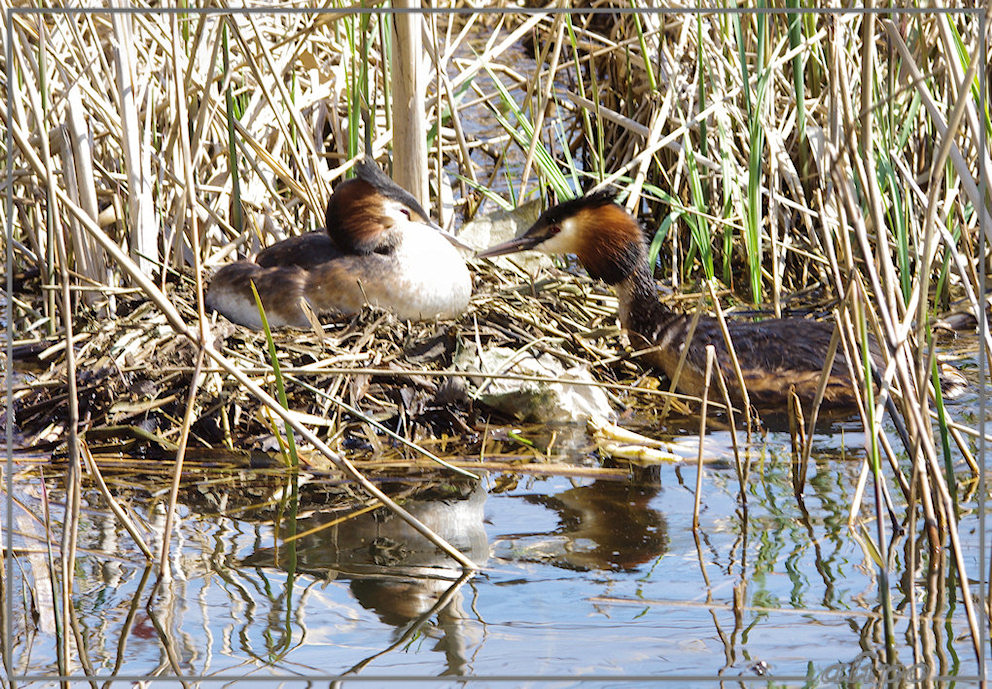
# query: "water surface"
(578, 577)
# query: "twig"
(710, 357)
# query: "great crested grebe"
(380, 248)
(775, 355)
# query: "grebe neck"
(640, 311)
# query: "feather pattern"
(380, 248)
(776, 356)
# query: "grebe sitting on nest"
(380, 248)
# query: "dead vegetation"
(836, 158)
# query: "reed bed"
(824, 164)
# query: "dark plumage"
(775, 355)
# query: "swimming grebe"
(774, 355)
(380, 248)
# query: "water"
(578, 578)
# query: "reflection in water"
(378, 543)
(567, 591)
(395, 571)
(607, 525)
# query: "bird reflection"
(392, 569)
(607, 525)
(380, 544)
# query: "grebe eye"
(406, 212)
(553, 230)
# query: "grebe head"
(602, 235)
(367, 214)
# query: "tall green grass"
(753, 211)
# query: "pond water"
(579, 578)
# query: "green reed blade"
(233, 113)
(292, 458)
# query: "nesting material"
(134, 374)
(621, 443)
(541, 388)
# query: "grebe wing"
(279, 288)
(305, 251)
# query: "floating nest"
(366, 383)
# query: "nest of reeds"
(358, 375)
